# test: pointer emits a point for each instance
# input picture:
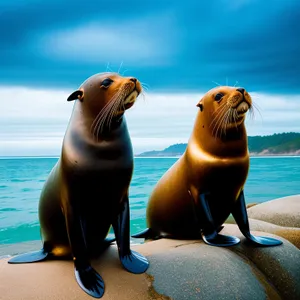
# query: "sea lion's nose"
(241, 90)
(133, 79)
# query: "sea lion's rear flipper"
(29, 257)
(240, 215)
(132, 261)
(87, 278)
(209, 233)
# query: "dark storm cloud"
(186, 44)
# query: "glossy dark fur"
(87, 191)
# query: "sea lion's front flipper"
(131, 260)
(87, 278)
(208, 232)
(29, 257)
(240, 215)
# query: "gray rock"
(178, 269)
(197, 271)
(283, 211)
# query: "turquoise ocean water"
(21, 180)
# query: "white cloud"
(33, 122)
(134, 41)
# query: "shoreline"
(158, 156)
(251, 156)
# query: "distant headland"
(277, 144)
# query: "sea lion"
(198, 193)
(87, 190)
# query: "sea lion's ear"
(200, 105)
(76, 95)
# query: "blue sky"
(179, 48)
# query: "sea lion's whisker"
(220, 121)
(220, 110)
(235, 118)
(98, 119)
(216, 83)
(251, 113)
(255, 103)
(145, 85)
(106, 106)
(103, 115)
(145, 88)
(124, 72)
(256, 107)
(108, 68)
(116, 107)
(220, 107)
(217, 117)
(115, 102)
(99, 125)
(226, 121)
(102, 123)
(252, 110)
(119, 103)
(110, 113)
(103, 112)
(99, 114)
(120, 67)
(143, 93)
(236, 82)
(95, 121)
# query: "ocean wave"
(27, 190)
(269, 178)
(9, 209)
(21, 233)
(19, 180)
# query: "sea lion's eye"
(106, 82)
(219, 96)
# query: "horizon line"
(153, 157)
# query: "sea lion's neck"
(231, 143)
(85, 124)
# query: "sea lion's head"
(105, 97)
(224, 108)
